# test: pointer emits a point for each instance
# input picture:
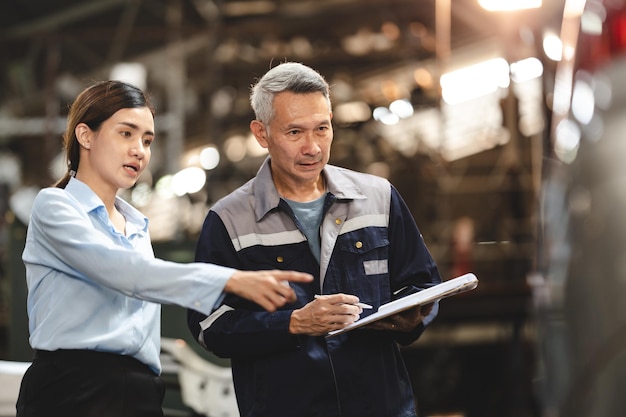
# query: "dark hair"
(93, 106)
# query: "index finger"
(340, 298)
(292, 276)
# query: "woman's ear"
(83, 134)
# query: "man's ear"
(259, 132)
(83, 134)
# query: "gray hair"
(288, 76)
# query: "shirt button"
(358, 245)
(279, 259)
(337, 221)
(197, 303)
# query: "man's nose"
(311, 145)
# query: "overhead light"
(21, 202)
(385, 116)
(509, 5)
(352, 112)
(188, 181)
(567, 141)
(423, 78)
(235, 148)
(552, 46)
(131, 72)
(475, 81)
(403, 108)
(10, 169)
(209, 157)
(163, 187)
(526, 69)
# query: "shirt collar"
(90, 201)
(267, 198)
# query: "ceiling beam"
(69, 15)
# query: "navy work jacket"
(370, 247)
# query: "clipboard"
(447, 288)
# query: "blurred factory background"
(448, 99)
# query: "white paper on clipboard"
(447, 288)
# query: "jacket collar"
(266, 196)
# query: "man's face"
(298, 138)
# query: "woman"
(94, 286)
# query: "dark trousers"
(85, 383)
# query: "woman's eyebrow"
(135, 127)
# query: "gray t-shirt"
(309, 214)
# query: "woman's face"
(119, 151)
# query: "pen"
(362, 305)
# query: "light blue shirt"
(91, 287)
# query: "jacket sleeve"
(238, 328)
(412, 268)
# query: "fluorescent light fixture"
(188, 181)
(401, 108)
(567, 135)
(131, 72)
(385, 116)
(526, 69)
(475, 81)
(352, 112)
(553, 46)
(583, 102)
(509, 5)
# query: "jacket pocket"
(362, 263)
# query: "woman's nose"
(138, 150)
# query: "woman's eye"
(147, 142)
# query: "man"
(351, 231)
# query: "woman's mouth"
(131, 167)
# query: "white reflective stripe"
(368, 220)
(270, 239)
(206, 323)
(376, 267)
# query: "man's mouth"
(309, 163)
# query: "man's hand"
(405, 321)
(269, 289)
(325, 314)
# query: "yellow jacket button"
(358, 245)
(337, 221)
(279, 259)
